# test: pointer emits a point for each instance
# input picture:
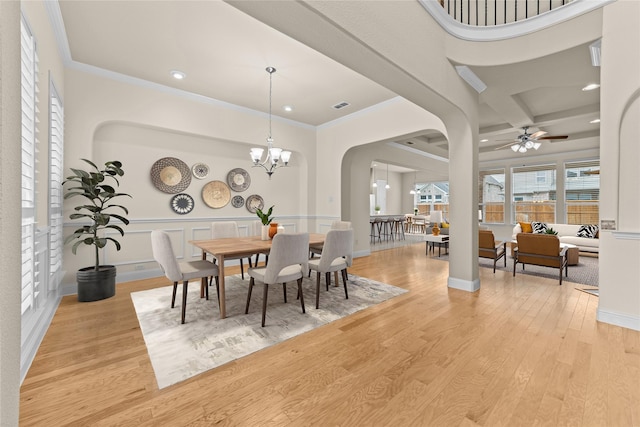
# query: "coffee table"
(440, 240)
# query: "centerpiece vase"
(435, 230)
(264, 235)
(273, 229)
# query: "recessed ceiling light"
(591, 86)
(594, 121)
(288, 108)
(178, 75)
(484, 140)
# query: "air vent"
(341, 105)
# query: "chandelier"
(276, 157)
(525, 144)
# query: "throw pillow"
(445, 225)
(526, 227)
(589, 231)
(539, 227)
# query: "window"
(534, 193)
(582, 192)
(491, 195)
(435, 196)
(29, 81)
(56, 143)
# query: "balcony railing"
(497, 12)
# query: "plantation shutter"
(56, 145)
(29, 86)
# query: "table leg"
(223, 308)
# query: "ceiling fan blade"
(554, 137)
(504, 140)
(537, 134)
(505, 146)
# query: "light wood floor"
(519, 352)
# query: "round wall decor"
(200, 170)
(170, 175)
(238, 179)
(237, 201)
(254, 202)
(216, 194)
(182, 203)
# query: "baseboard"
(463, 285)
(619, 319)
(31, 343)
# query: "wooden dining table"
(238, 246)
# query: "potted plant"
(95, 187)
(377, 209)
(550, 230)
(266, 219)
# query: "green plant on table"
(550, 230)
(266, 218)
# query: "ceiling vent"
(341, 105)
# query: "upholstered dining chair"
(226, 229)
(337, 255)
(335, 225)
(489, 248)
(540, 249)
(288, 259)
(180, 271)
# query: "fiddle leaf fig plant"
(265, 218)
(97, 188)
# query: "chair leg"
(344, 279)
(185, 285)
(317, 289)
(494, 264)
(515, 262)
(241, 269)
(251, 283)
(327, 278)
(173, 298)
(284, 290)
(301, 296)
(206, 288)
(264, 303)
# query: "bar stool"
(398, 224)
(372, 233)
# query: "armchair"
(489, 248)
(540, 249)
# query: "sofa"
(568, 233)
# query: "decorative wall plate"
(237, 201)
(238, 179)
(200, 170)
(182, 203)
(170, 175)
(254, 202)
(216, 194)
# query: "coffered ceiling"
(224, 53)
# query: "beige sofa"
(567, 234)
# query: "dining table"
(238, 246)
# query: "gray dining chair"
(288, 259)
(181, 271)
(227, 229)
(337, 255)
(335, 225)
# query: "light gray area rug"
(205, 341)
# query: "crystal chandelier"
(276, 157)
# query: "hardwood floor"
(522, 351)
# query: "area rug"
(585, 273)
(205, 341)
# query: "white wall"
(619, 301)
(114, 120)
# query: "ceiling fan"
(526, 141)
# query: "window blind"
(56, 145)
(29, 97)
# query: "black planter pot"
(96, 285)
